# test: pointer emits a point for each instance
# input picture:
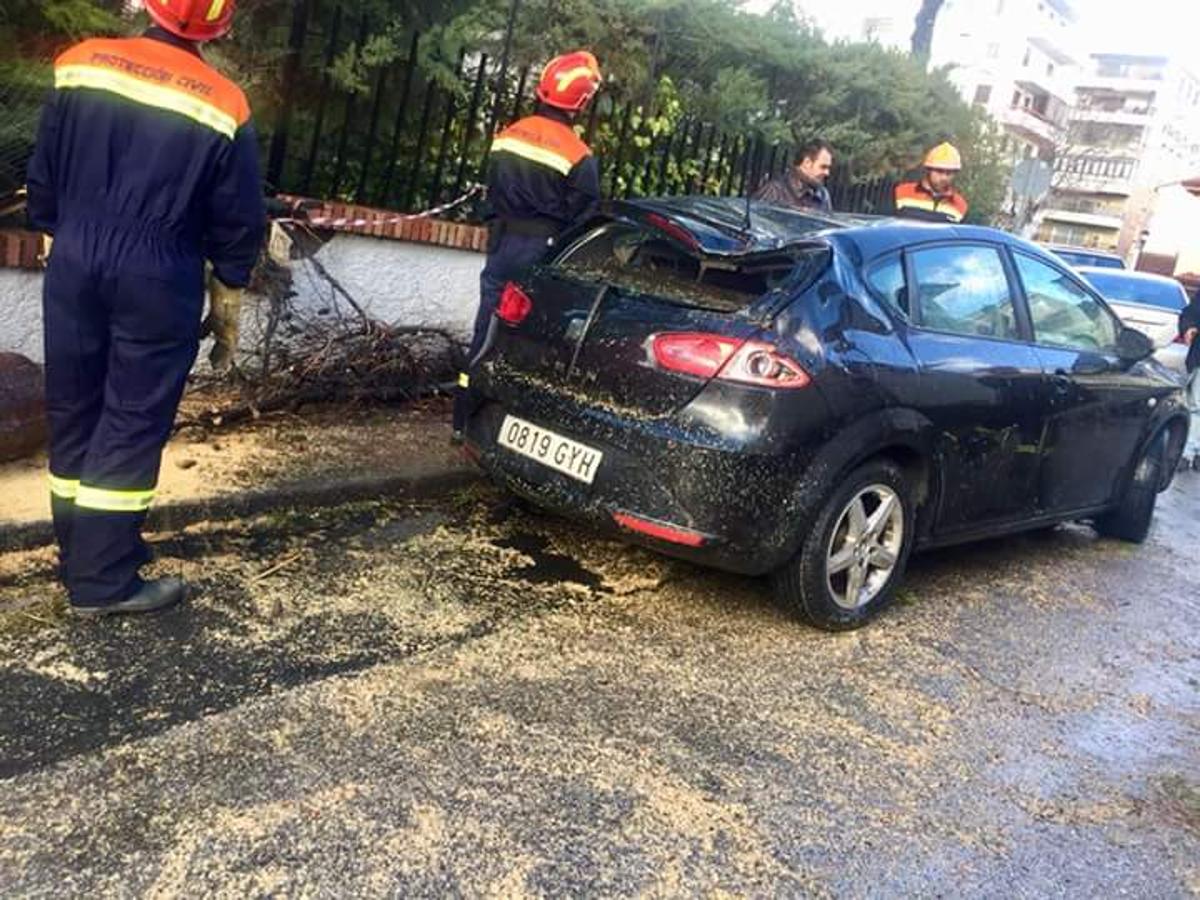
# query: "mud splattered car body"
(710, 382)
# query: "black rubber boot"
(152, 596)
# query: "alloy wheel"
(865, 546)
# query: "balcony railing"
(1067, 203)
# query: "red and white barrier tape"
(336, 222)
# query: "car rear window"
(1122, 288)
(644, 261)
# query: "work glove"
(47, 244)
(224, 317)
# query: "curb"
(30, 535)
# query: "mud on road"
(467, 697)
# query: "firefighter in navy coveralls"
(542, 178)
(145, 169)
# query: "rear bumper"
(732, 504)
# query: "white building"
(1172, 244)
(887, 24)
(1018, 59)
(1015, 58)
(1135, 127)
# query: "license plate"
(553, 450)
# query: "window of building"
(1028, 56)
(983, 94)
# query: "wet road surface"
(469, 698)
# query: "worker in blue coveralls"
(145, 171)
(542, 179)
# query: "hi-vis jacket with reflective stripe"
(916, 201)
(141, 134)
(541, 172)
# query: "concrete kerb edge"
(175, 516)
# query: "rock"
(268, 608)
(22, 407)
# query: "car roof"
(720, 226)
(1084, 251)
(1128, 275)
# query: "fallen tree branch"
(330, 352)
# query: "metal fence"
(411, 142)
(21, 102)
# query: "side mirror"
(1133, 346)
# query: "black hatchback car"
(765, 391)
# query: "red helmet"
(570, 81)
(195, 20)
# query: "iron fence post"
(401, 116)
(469, 127)
(509, 28)
(689, 148)
(414, 170)
(326, 80)
(339, 162)
(734, 159)
(435, 189)
(519, 99)
(291, 70)
(623, 137)
(372, 132)
(665, 165)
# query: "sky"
(1167, 27)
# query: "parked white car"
(1083, 257)
(1149, 303)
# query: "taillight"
(702, 355)
(514, 305)
(1180, 339)
(728, 359)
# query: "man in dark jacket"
(1189, 328)
(145, 169)
(542, 179)
(803, 188)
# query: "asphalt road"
(466, 699)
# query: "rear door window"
(964, 289)
(643, 261)
(1064, 314)
(888, 283)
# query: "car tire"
(817, 582)
(1130, 520)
